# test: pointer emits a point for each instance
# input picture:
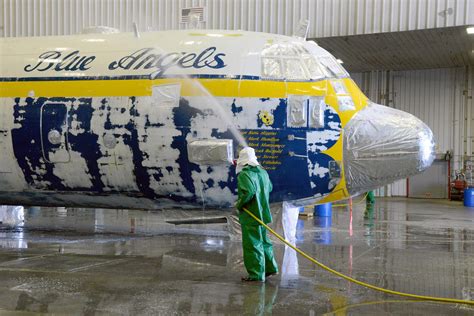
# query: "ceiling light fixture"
(470, 30)
(339, 61)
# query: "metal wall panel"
(428, 94)
(432, 95)
(328, 17)
(433, 183)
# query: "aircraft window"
(54, 137)
(289, 61)
(109, 141)
(317, 106)
(297, 108)
(293, 69)
(272, 68)
(312, 66)
(333, 68)
(298, 49)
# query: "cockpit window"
(293, 69)
(272, 68)
(312, 65)
(332, 67)
(289, 61)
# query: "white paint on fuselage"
(115, 165)
(156, 140)
(11, 176)
(75, 174)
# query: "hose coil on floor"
(350, 279)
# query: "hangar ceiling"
(422, 49)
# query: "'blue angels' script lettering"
(145, 58)
(55, 60)
(142, 59)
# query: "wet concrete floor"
(107, 262)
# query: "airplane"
(153, 120)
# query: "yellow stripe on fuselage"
(143, 87)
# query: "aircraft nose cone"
(381, 145)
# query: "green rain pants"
(370, 199)
(258, 252)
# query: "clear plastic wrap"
(289, 61)
(381, 145)
(12, 216)
(317, 106)
(297, 110)
(211, 151)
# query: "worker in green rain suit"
(370, 199)
(369, 202)
(254, 188)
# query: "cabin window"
(54, 137)
(304, 110)
(317, 106)
(110, 141)
(345, 103)
(297, 108)
(344, 99)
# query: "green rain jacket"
(254, 187)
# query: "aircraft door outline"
(54, 129)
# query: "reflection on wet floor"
(133, 262)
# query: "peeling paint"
(146, 154)
(319, 141)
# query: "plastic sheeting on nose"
(382, 145)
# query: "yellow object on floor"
(348, 278)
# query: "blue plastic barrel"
(323, 210)
(323, 236)
(469, 197)
(323, 221)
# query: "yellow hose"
(348, 278)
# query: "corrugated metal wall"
(328, 17)
(431, 96)
(442, 98)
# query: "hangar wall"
(332, 17)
